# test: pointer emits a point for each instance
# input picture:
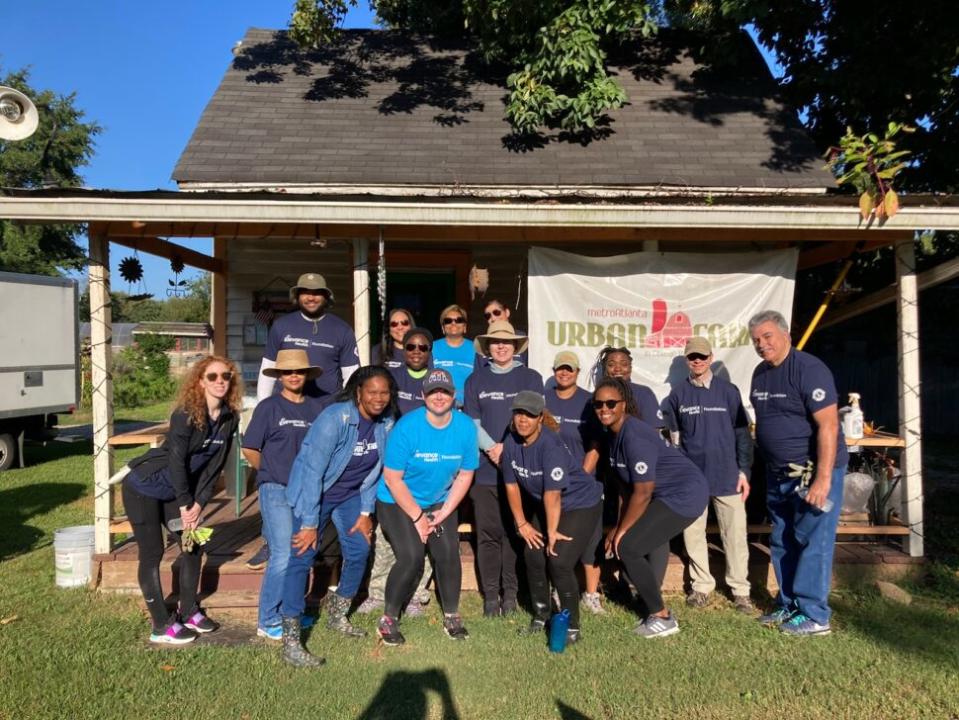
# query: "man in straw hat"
(706, 418)
(270, 444)
(328, 341)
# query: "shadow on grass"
(568, 713)
(924, 632)
(19, 505)
(405, 696)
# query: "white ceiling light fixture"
(18, 115)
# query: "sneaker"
(414, 609)
(593, 603)
(491, 608)
(271, 632)
(259, 559)
(453, 625)
(572, 636)
(200, 623)
(535, 627)
(743, 604)
(655, 626)
(800, 625)
(370, 606)
(174, 634)
(777, 617)
(697, 599)
(389, 631)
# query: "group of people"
(555, 474)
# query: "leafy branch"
(870, 165)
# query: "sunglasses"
(492, 313)
(608, 404)
(694, 357)
(454, 321)
(410, 347)
(212, 376)
(292, 372)
(399, 323)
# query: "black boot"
(336, 609)
(538, 624)
(293, 651)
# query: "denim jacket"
(324, 455)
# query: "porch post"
(101, 361)
(910, 427)
(218, 299)
(361, 297)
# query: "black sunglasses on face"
(292, 372)
(399, 323)
(693, 357)
(212, 376)
(454, 321)
(492, 313)
(608, 404)
(410, 347)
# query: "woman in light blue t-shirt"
(454, 352)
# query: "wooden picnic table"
(154, 435)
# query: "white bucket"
(73, 555)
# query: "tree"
(51, 157)
(558, 49)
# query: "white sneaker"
(593, 603)
(654, 626)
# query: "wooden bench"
(154, 435)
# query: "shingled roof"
(384, 108)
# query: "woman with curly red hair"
(170, 485)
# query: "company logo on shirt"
(322, 345)
(295, 422)
(213, 441)
(519, 469)
(818, 394)
(557, 474)
(299, 342)
(427, 457)
(697, 409)
(763, 395)
(404, 395)
(640, 468)
(493, 395)
(659, 414)
(363, 447)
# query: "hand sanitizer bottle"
(852, 418)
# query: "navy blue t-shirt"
(276, 431)
(329, 343)
(785, 398)
(158, 485)
(578, 426)
(649, 410)
(409, 390)
(489, 398)
(707, 420)
(394, 356)
(366, 453)
(547, 464)
(638, 454)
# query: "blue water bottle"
(558, 626)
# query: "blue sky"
(142, 70)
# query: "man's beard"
(316, 314)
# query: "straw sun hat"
(293, 360)
(500, 330)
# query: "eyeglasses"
(492, 313)
(399, 323)
(212, 376)
(695, 357)
(608, 404)
(410, 347)
(292, 372)
(454, 320)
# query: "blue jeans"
(355, 549)
(801, 545)
(278, 531)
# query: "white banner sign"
(652, 303)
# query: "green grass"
(77, 654)
(156, 412)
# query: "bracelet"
(520, 527)
(417, 519)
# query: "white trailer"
(39, 358)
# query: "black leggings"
(410, 554)
(496, 543)
(644, 551)
(147, 516)
(581, 526)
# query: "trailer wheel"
(8, 450)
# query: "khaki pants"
(731, 514)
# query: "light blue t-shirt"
(457, 361)
(429, 457)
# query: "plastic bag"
(856, 491)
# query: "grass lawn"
(157, 412)
(75, 654)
